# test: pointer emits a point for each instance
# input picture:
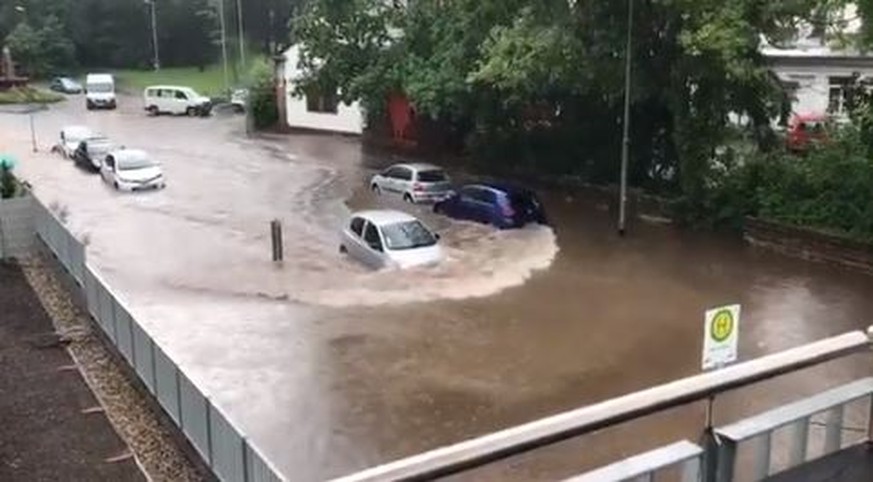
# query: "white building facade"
(317, 111)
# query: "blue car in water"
(502, 205)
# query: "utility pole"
(625, 138)
(242, 37)
(157, 60)
(223, 44)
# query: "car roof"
(419, 166)
(77, 129)
(180, 87)
(501, 186)
(99, 77)
(381, 217)
(125, 154)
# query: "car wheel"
(343, 249)
(153, 110)
(376, 189)
(191, 111)
(408, 198)
(115, 185)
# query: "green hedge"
(29, 95)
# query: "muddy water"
(330, 368)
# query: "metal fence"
(223, 447)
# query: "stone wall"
(809, 244)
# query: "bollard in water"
(276, 235)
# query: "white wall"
(814, 84)
(349, 119)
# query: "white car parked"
(417, 183)
(174, 99)
(132, 170)
(71, 137)
(390, 239)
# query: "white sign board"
(720, 336)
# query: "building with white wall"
(815, 69)
(318, 111)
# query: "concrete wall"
(809, 244)
(16, 227)
(348, 119)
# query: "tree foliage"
(540, 83)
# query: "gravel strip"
(126, 408)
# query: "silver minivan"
(416, 183)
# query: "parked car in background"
(132, 170)
(174, 99)
(239, 99)
(71, 137)
(502, 205)
(390, 239)
(65, 85)
(806, 130)
(416, 183)
(100, 91)
(91, 152)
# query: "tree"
(540, 82)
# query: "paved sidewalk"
(50, 426)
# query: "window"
(838, 94)
(392, 172)
(357, 226)
(181, 95)
(434, 175)
(483, 196)
(404, 174)
(321, 100)
(371, 236)
(407, 235)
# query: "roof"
(99, 77)
(419, 166)
(502, 186)
(125, 154)
(381, 217)
(82, 131)
(180, 87)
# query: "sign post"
(720, 336)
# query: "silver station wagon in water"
(416, 183)
(132, 170)
(390, 239)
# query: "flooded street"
(330, 368)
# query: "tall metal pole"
(157, 61)
(223, 44)
(242, 37)
(625, 139)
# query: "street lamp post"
(625, 138)
(223, 43)
(242, 38)
(157, 60)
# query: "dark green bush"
(262, 96)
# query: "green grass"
(28, 95)
(209, 81)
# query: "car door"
(165, 100)
(391, 180)
(403, 182)
(373, 247)
(353, 237)
(181, 102)
(468, 204)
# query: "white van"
(174, 99)
(100, 91)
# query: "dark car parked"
(502, 205)
(90, 153)
(65, 85)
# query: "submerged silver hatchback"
(390, 239)
(416, 182)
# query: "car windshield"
(135, 162)
(435, 175)
(407, 235)
(100, 87)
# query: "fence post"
(208, 405)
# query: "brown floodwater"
(330, 368)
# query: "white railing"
(222, 446)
